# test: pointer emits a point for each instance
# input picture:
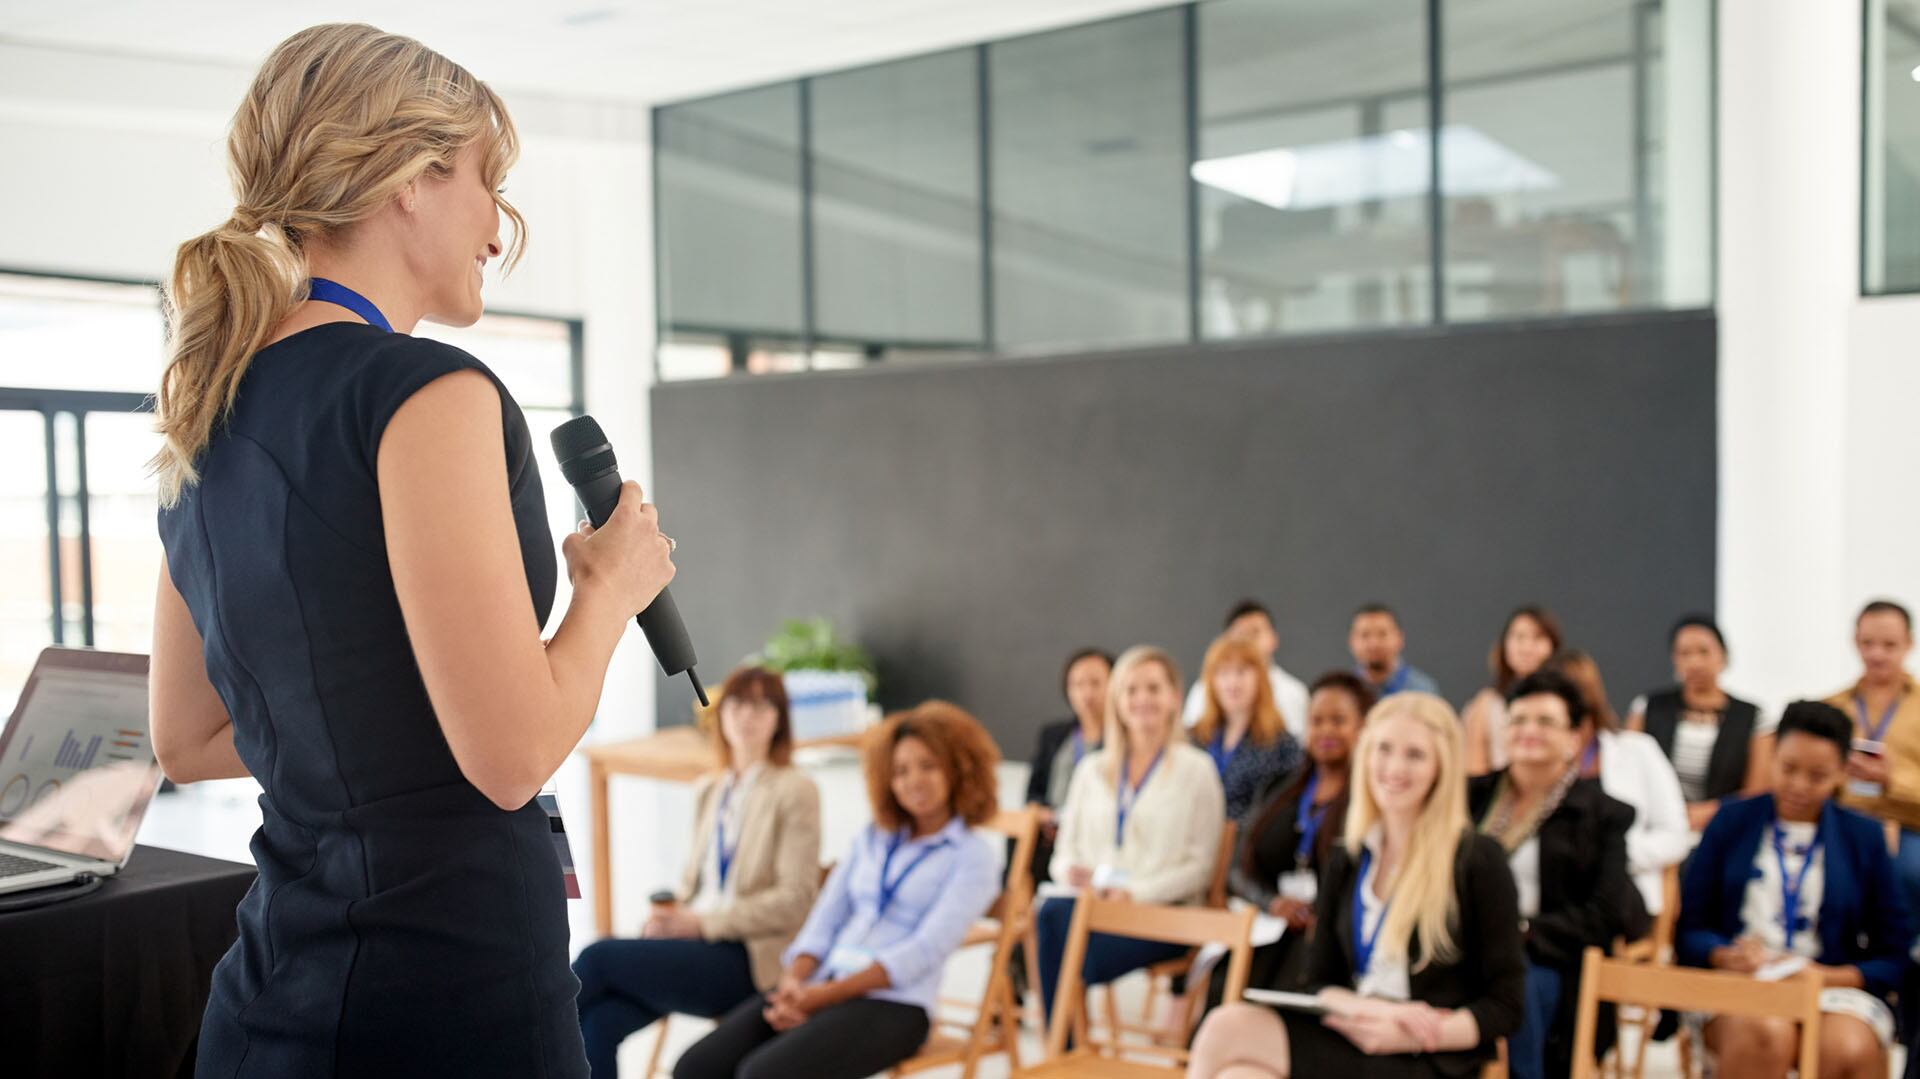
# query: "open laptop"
(77, 769)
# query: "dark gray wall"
(971, 524)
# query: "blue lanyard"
(1079, 746)
(1790, 887)
(1307, 822)
(890, 889)
(721, 851)
(1364, 941)
(1125, 797)
(1875, 733)
(319, 288)
(1222, 756)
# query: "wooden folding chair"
(994, 1025)
(660, 1024)
(1194, 927)
(1684, 988)
(1161, 975)
(1655, 947)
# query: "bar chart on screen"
(71, 755)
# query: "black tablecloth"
(113, 983)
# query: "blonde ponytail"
(229, 289)
(338, 121)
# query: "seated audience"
(1250, 621)
(1296, 820)
(1883, 771)
(1718, 743)
(1416, 949)
(1240, 728)
(1566, 843)
(1631, 769)
(1790, 874)
(1377, 644)
(863, 977)
(1142, 822)
(1530, 637)
(751, 873)
(1063, 745)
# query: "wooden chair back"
(1687, 989)
(1194, 927)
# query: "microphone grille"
(576, 437)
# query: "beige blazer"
(776, 868)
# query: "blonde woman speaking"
(357, 572)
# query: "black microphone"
(586, 460)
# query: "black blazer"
(1727, 767)
(1270, 836)
(1052, 737)
(1586, 897)
(1488, 975)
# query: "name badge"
(549, 799)
(844, 961)
(1300, 884)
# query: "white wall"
(1819, 459)
(111, 162)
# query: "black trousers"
(846, 1041)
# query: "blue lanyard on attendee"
(723, 852)
(1877, 733)
(1126, 796)
(319, 288)
(1791, 885)
(888, 889)
(1222, 756)
(1364, 941)
(1592, 754)
(1307, 821)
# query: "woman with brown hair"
(1530, 637)
(751, 874)
(357, 571)
(1297, 820)
(1240, 726)
(863, 977)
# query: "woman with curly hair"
(863, 976)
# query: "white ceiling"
(623, 50)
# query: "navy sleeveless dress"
(402, 924)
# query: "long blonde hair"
(1114, 742)
(1422, 888)
(1268, 725)
(339, 120)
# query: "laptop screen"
(76, 767)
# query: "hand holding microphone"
(627, 554)
(622, 523)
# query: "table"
(675, 755)
(113, 983)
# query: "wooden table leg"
(602, 854)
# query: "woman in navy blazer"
(1791, 873)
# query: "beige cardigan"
(776, 869)
(1173, 832)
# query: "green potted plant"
(829, 681)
